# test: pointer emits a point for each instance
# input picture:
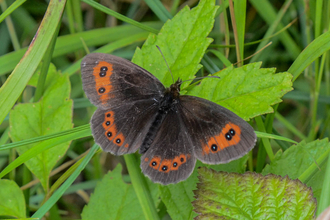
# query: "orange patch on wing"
(178, 163)
(119, 140)
(108, 120)
(183, 158)
(126, 146)
(155, 160)
(102, 72)
(222, 140)
(111, 132)
(166, 164)
(146, 159)
(211, 141)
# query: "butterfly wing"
(170, 158)
(218, 135)
(127, 97)
(120, 130)
(112, 81)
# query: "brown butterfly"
(135, 111)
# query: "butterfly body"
(135, 111)
(168, 102)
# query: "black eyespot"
(214, 147)
(107, 123)
(153, 163)
(109, 134)
(228, 136)
(102, 74)
(175, 164)
(101, 90)
(232, 132)
(108, 115)
(181, 159)
(164, 168)
(104, 68)
(118, 141)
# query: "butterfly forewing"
(112, 81)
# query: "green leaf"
(237, 166)
(178, 197)
(248, 91)
(251, 196)
(294, 161)
(183, 41)
(53, 113)
(12, 201)
(114, 199)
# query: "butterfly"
(135, 111)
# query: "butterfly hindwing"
(170, 158)
(218, 135)
(121, 130)
(112, 81)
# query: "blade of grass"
(45, 145)
(271, 29)
(268, 13)
(11, 8)
(324, 201)
(158, 8)
(240, 17)
(68, 173)
(77, 13)
(71, 43)
(312, 169)
(109, 48)
(315, 49)
(57, 195)
(221, 57)
(265, 141)
(18, 79)
(11, 28)
(45, 66)
(289, 126)
(273, 136)
(141, 187)
(119, 16)
(234, 26)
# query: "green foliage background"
(46, 141)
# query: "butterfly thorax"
(167, 103)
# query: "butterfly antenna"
(165, 62)
(202, 77)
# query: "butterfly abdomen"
(168, 103)
(152, 132)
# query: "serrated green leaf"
(248, 90)
(114, 199)
(251, 196)
(12, 202)
(178, 197)
(294, 161)
(183, 41)
(237, 166)
(53, 113)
